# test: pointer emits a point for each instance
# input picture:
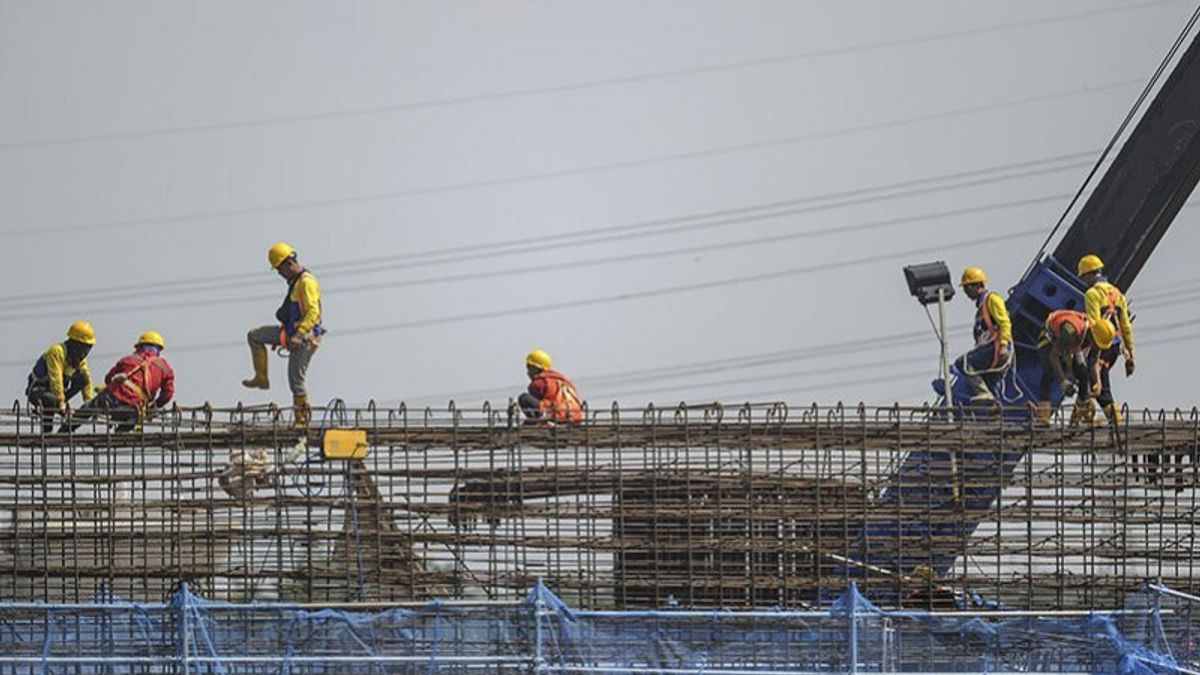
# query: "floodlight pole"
(945, 364)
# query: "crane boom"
(1127, 214)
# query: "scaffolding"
(687, 507)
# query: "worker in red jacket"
(551, 396)
(137, 383)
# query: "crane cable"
(1187, 29)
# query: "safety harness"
(290, 312)
(144, 363)
(565, 405)
(988, 333)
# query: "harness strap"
(986, 314)
(144, 367)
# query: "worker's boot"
(300, 411)
(1083, 414)
(1042, 413)
(258, 356)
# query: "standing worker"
(136, 384)
(299, 330)
(551, 396)
(60, 373)
(1108, 314)
(992, 354)
(1064, 351)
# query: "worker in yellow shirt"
(1108, 314)
(60, 373)
(298, 332)
(986, 363)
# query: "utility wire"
(543, 307)
(306, 205)
(1112, 142)
(542, 268)
(719, 365)
(571, 87)
(893, 342)
(588, 236)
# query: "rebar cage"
(695, 506)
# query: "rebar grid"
(751, 506)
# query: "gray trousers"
(268, 336)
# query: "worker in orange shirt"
(1065, 349)
(299, 330)
(60, 373)
(1108, 313)
(992, 354)
(551, 396)
(138, 383)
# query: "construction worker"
(60, 373)
(551, 396)
(1065, 351)
(134, 386)
(298, 332)
(1107, 309)
(992, 354)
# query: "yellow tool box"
(344, 444)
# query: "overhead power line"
(741, 362)
(585, 237)
(573, 86)
(308, 205)
(574, 304)
(1112, 142)
(760, 395)
(545, 268)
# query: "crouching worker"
(60, 373)
(551, 397)
(134, 386)
(987, 362)
(1064, 348)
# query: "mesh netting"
(1154, 634)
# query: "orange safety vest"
(561, 402)
(985, 329)
(1062, 317)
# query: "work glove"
(295, 342)
(1129, 365)
(1068, 388)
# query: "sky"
(679, 200)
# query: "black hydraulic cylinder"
(1151, 178)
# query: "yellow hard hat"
(279, 253)
(973, 275)
(82, 331)
(1089, 263)
(1103, 333)
(539, 359)
(151, 337)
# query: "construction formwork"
(695, 506)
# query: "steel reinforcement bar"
(692, 506)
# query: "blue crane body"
(1124, 218)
